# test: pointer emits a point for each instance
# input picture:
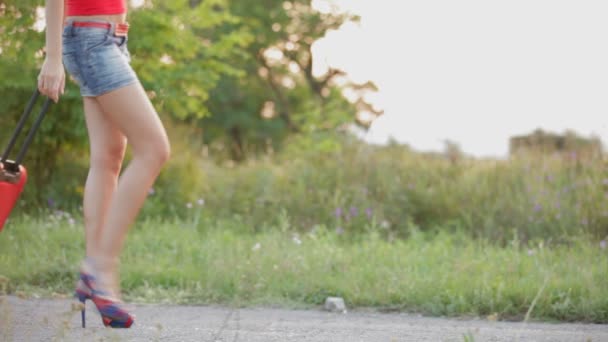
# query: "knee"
(158, 153)
(164, 152)
(109, 159)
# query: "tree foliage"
(180, 56)
(280, 94)
(550, 143)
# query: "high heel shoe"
(112, 312)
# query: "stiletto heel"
(82, 312)
(83, 292)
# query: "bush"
(351, 187)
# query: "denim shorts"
(96, 58)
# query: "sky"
(475, 72)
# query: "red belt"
(120, 30)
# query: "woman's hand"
(51, 80)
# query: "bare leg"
(130, 110)
(107, 150)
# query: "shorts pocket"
(121, 44)
(120, 41)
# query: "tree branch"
(284, 111)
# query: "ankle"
(102, 263)
(105, 271)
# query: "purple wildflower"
(603, 244)
(354, 211)
(369, 212)
(538, 207)
(50, 202)
(338, 212)
(151, 191)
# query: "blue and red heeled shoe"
(112, 313)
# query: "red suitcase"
(13, 175)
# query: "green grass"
(446, 273)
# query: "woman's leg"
(107, 150)
(130, 110)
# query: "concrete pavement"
(59, 320)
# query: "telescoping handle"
(14, 166)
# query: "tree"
(280, 96)
(548, 142)
(180, 54)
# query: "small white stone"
(335, 304)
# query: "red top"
(94, 7)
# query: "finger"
(55, 90)
(41, 84)
(50, 86)
(45, 86)
(53, 95)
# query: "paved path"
(55, 320)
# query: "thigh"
(130, 110)
(108, 143)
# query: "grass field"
(197, 262)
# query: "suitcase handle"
(14, 166)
